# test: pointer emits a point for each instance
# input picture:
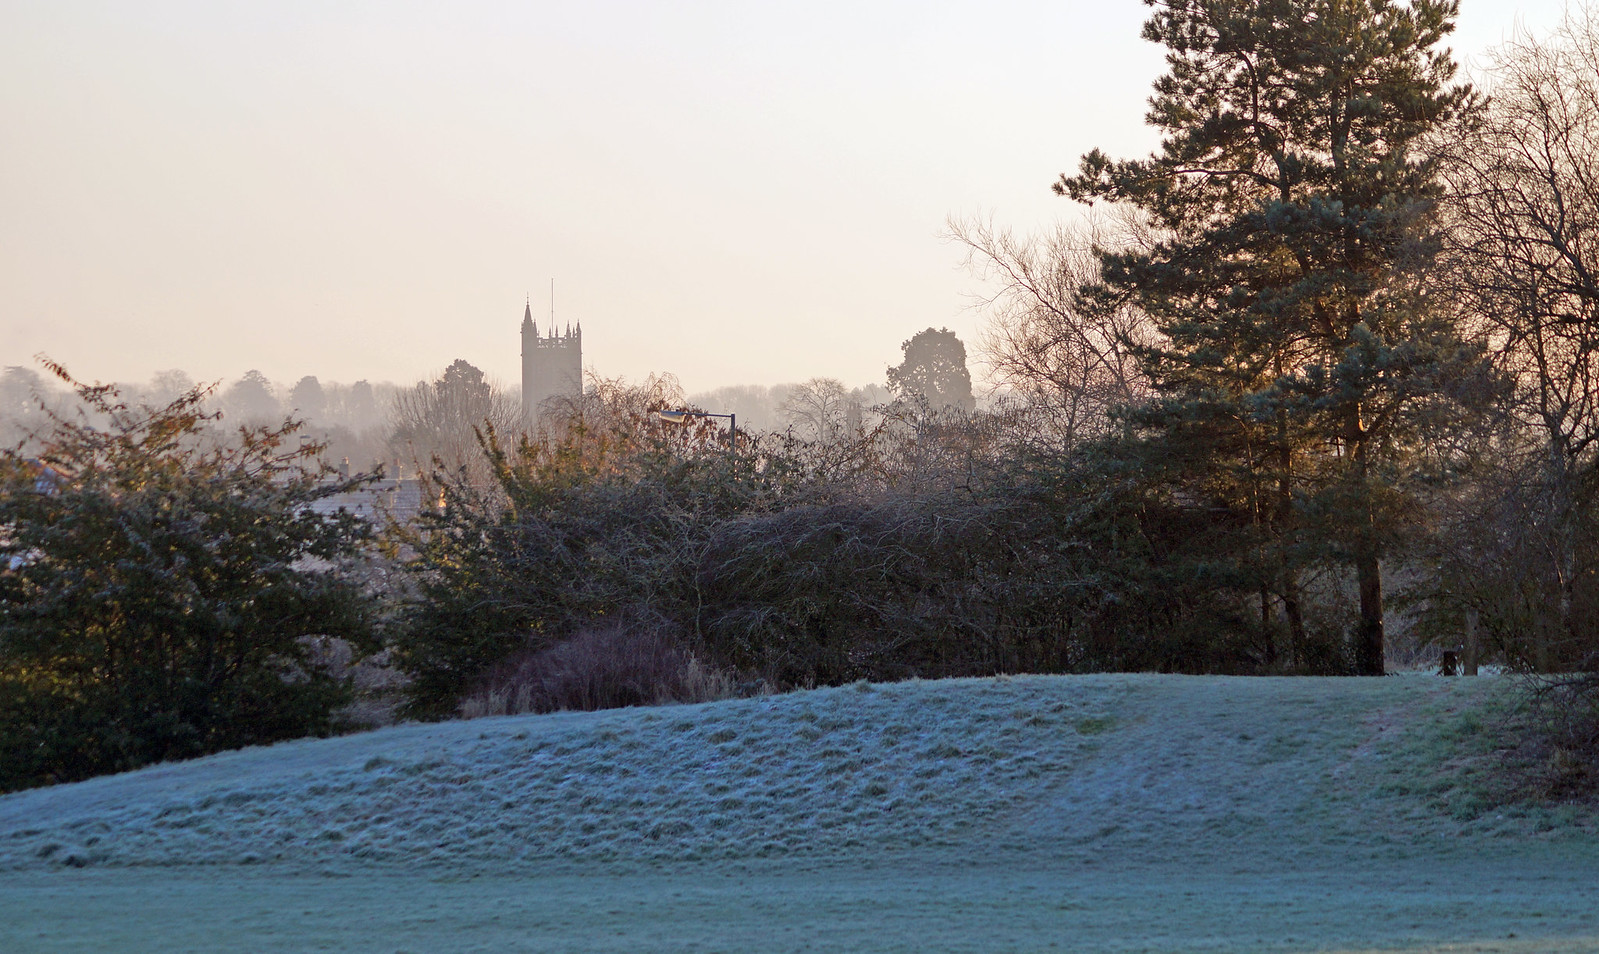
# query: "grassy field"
(1104, 813)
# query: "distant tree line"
(406, 426)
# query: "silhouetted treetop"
(934, 371)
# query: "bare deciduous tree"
(1524, 231)
(435, 420)
(1064, 353)
(817, 409)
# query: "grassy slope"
(1088, 813)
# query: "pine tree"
(1293, 206)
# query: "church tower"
(552, 365)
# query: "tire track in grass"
(1205, 767)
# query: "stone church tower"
(552, 365)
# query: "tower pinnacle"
(551, 366)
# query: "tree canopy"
(437, 420)
(307, 399)
(251, 398)
(934, 371)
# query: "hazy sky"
(735, 192)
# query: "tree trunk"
(1270, 646)
(1284, 520)
(1368, 567)
(1296, 620)
(1369, 631)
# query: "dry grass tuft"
(604, 667)
(1567, 709)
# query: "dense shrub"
(946, 585)
(917, 551)
(154, 587)
(598, 518)
(1513, 561)
(1566, 720)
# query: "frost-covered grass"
(860, 766)
(1079, 813)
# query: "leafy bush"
(154, 587)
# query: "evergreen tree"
(308, 400)
(251, 399)
(361, 406)
(1293, 206)
(934, 371)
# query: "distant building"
(552, 365)
(399, 499)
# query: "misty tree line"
(352, 418)
(385, 423)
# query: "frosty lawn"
(1100, 813)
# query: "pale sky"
(733, 192)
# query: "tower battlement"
(552, 364)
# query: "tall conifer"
(1293, 202)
